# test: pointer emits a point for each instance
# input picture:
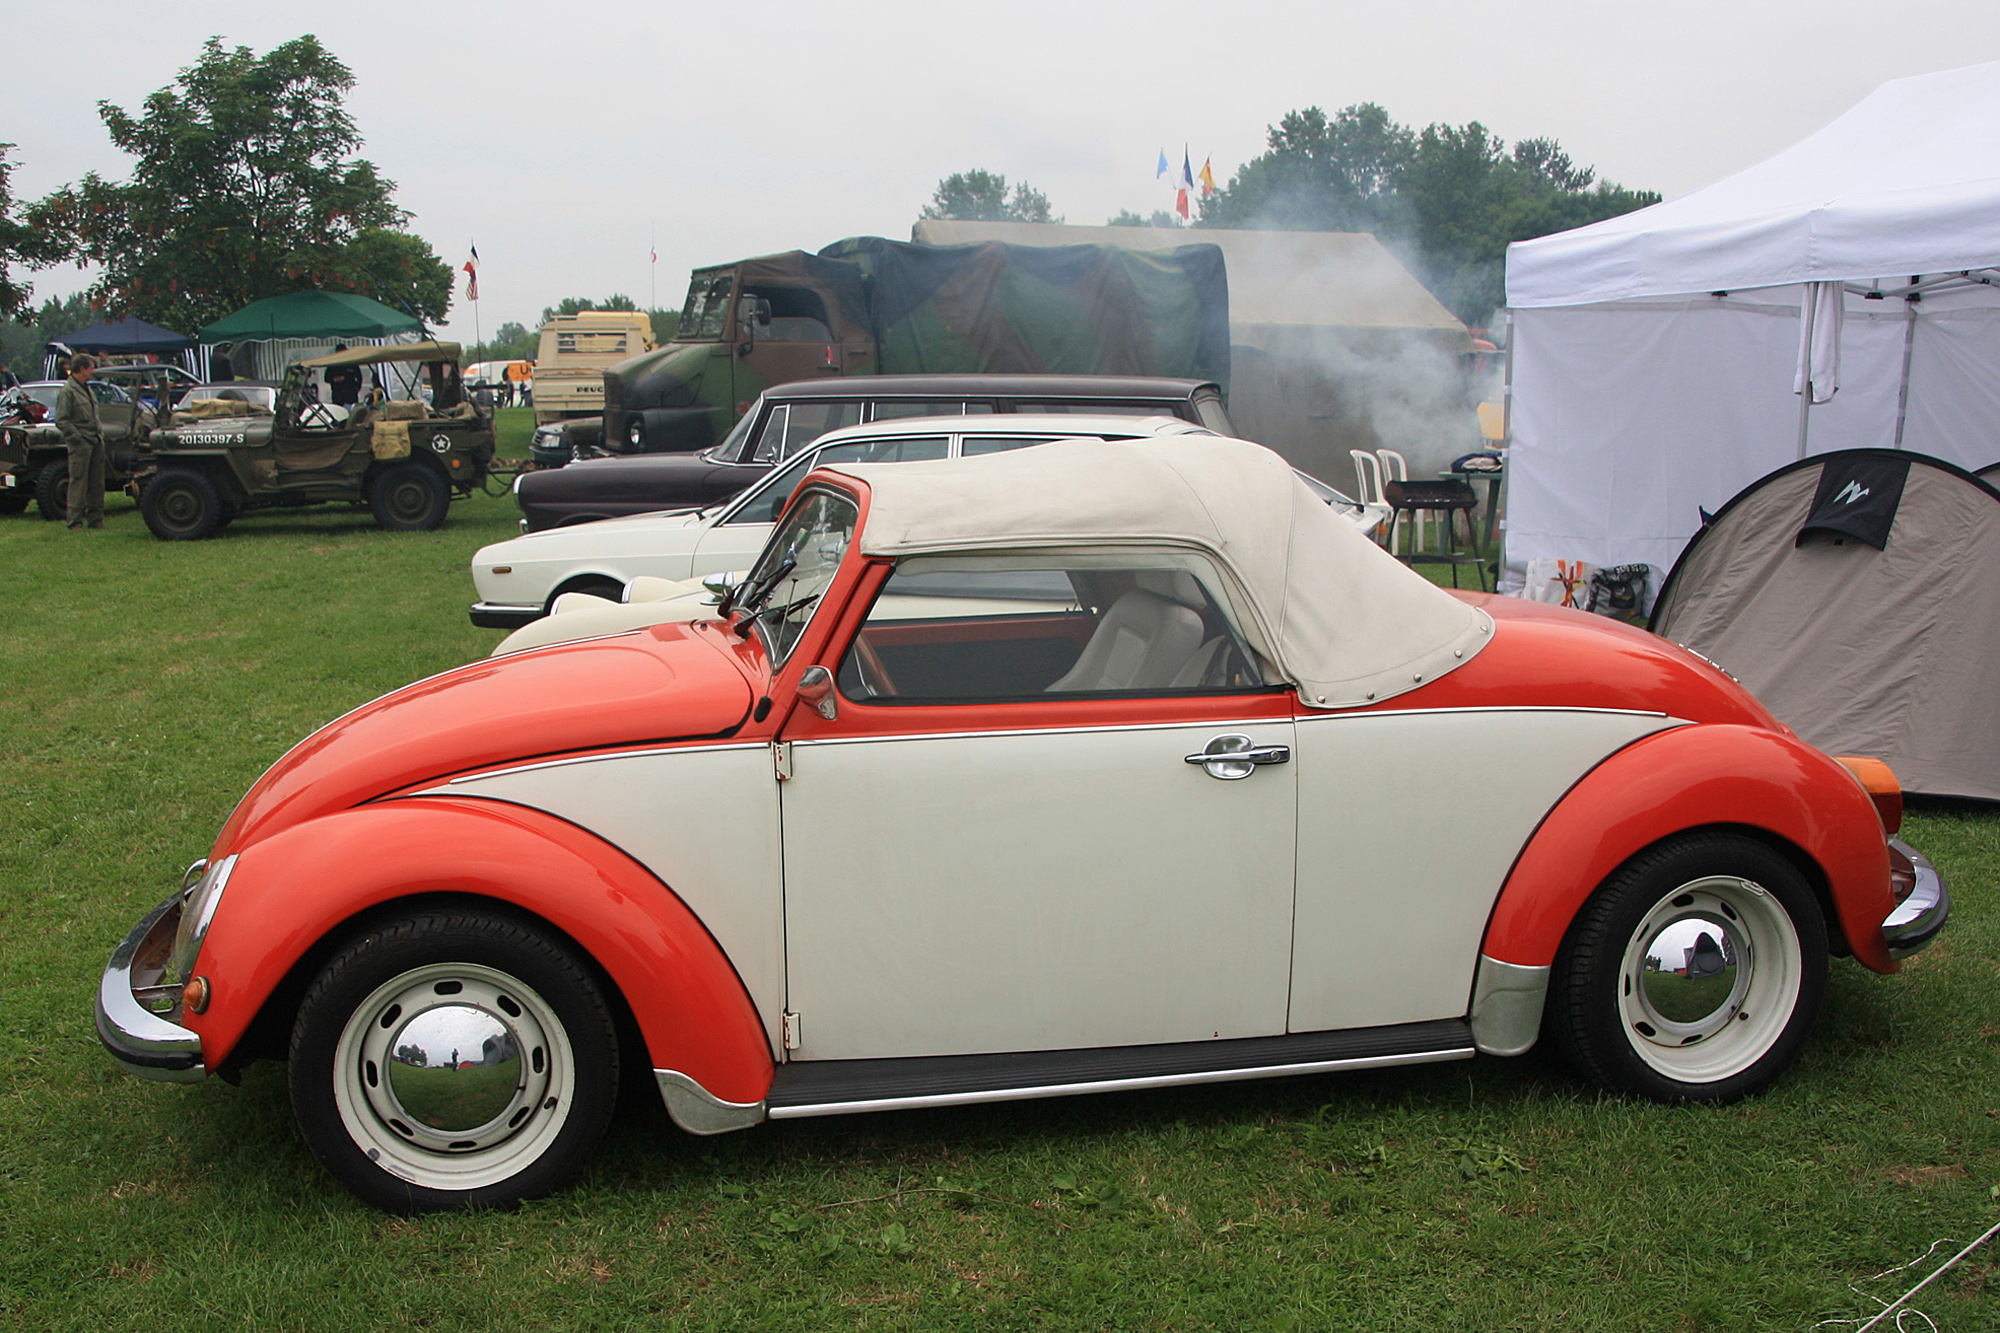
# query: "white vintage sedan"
(1096, 765)
(519, 580)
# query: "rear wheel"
(181, 506)
(1694, 973)
(453, 1059)
(14, 499)
(52, 490)
(409, 497)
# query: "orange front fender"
(290, 891)
(1694, 777)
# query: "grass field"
(148, 684)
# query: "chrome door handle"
(1237, 756)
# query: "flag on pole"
(1161, 174)
(1207, 177)
(1186, 185)
(656, 254)
(472, 276)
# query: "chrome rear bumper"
(140, 1040)
(1922, 912)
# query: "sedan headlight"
(198, 903)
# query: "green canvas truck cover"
(1074, 309)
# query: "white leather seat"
(1142, 642)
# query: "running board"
(836, 1087)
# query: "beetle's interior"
(952, 634)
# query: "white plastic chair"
(1368, 484)
(1395, 469)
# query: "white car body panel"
(1165, 915)
(704, 819)
(1408, 826)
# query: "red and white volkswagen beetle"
(1097, 765)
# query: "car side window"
(804, 422)
(768, 500)
(974, 629)
(896, 409)
(1117, 408)
(974, 445)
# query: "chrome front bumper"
(140, 1040)
(1922, 912)
(500, 615)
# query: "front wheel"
(181, 506)
(1694, 973)
(453, 1059)
(409, 497)
(52, 490)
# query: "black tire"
(413, 1136)
(409, 497)
(1751, 946)
(52, 490)
(14, 499)
(181, 505)
(595, 584)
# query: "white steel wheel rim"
(511, 1128)
(1733, 994)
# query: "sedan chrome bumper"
(1921, 912)
(500, 615)
(139, 1039)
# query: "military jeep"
(405, 458)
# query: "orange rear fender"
(292, 890)
(1687, 778)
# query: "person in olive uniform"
(76, 419)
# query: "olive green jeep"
(404, 458)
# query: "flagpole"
(477, 340)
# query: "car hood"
(665, 683)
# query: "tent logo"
(1851, 492)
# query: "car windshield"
(731, 450)
(797, 566)
(706, 309)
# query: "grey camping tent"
(1854, 594)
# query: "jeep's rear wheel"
(180, 505)
(52, 490)
(409, 497)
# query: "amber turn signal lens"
(1879, 781)
(194, 995)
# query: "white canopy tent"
(1658, 356)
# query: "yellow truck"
(574, 353)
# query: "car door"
(999, 843)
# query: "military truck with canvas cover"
(868, 306)
(405, 458)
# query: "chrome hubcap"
(1710, 979)
(453, 1073)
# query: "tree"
(23, 337)
(512, 341)
(20, 243)
(981, 196)
(576, 305)
(1127, 218)
(1448, 199)
(243, 187)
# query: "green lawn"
(148, 684)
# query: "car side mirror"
(816, 688)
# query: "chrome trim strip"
(699, 1111)
(648, 752)
(1238, 723)
(1121, 1084)
(1916, 921)
(1300, 719)
(1507, 1001)
(141, 1041)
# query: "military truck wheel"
(52, 490)
(181, 506)
(409, 497)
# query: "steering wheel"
(874, 676)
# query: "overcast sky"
(563, 138)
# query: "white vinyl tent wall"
(1655, 354)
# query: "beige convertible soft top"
(1345, 622)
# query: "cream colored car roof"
(1344, 621)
